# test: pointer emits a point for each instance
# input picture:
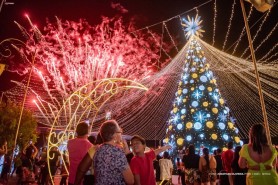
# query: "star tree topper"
(192, 26)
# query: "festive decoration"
(193, 26)
(89, 103)
(261, 5)
(208, 123)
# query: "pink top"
(143, 166)
(77, 148)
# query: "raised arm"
(161, 149)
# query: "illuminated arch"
(85, 102)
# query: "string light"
(242, 31)
(257, 32)
(214, 23)
(268, 53)
(230, 24)
(264, 40)
(172, 40)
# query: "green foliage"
(9, 117)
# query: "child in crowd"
(142, 163)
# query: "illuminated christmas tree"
(199, 115)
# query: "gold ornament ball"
(192, 110)
(179, 92)
(209, 124)
(237, 140)
(192, 88)
(215, 110)
(189, 125)
(170, 127)
(221, 101)
(182, 117)
(201, 70)
(166, 140)
(175, 110)
(209, 89)
(214, 136)
(194, 75)
(231, 125)
(205, 104)
(180, 141)
(184, 100)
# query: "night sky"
(143, 12)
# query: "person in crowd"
(259, 157)
(44, 175)
(54, 162)
(78, 148)
(4, 149)
(166, 168)
(65, 166)
(17, 163)
(6, 168)
(89, 177)
(30, 152)
(157, 169)
(239, 173)
(218, 159)
(227, 158)
(207, 168)
(142, 163)
(191, 164)
(179, 168)
(110, 163)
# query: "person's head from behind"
(166, 155)
(191, 149)
(218, 151)
(205, 151)
(257, 137)
(230, 145)
(82, 129)
(98, 139)
(92, 139)
(236, 153)
(138, 144)
(111, 131)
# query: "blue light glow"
(204, 79)
(222, 117)
(221, 125)
(197, 125)
(179, 126)
(188, 138)
(184, 91)
(191, 81)
(195, 104)
(200, 117)
(183, 111)
(225, 136)
(201, 87)
(197, 94)
(201, 136)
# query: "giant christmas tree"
(199, 115)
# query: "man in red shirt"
(142, 163)
(227, 158)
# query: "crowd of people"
(254, 163)
(108, 160)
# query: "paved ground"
(13, 180)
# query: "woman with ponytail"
(259, 158)
(207, 167)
